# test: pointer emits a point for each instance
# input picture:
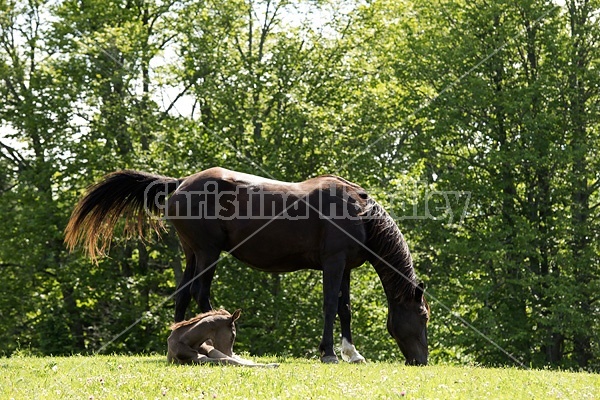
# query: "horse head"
(407, 323)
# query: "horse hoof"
(357, 359)
(350, 354)
(329, 359)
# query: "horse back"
(272, 225)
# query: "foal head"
(223, 334)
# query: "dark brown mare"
(324, 223)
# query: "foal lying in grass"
(206, 338)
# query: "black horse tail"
(133, 194)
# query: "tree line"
(475, 123)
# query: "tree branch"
(13, 156)
(179, 95)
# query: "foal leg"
(349, 352)
(333, 270)
(182, 353)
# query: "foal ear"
(419, 290)
(236, 315)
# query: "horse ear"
(419, 290)
(236, 315)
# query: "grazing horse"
(206, 338)
(325, 223)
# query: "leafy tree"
(492, 78)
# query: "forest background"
(475, 123)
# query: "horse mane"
(359, 190)
(390, 255)
(197, 318)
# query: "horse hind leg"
(349, 352)
(196, 281)
(184, 290)
(206, 262)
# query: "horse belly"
(280, 246)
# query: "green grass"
(150, 377)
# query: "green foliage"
(474, 123)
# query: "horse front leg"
(180, 352)
(349, 352)
(333, 271)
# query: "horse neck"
(398, 283)
(390, 256)
(202, 330)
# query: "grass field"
(150, 377)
